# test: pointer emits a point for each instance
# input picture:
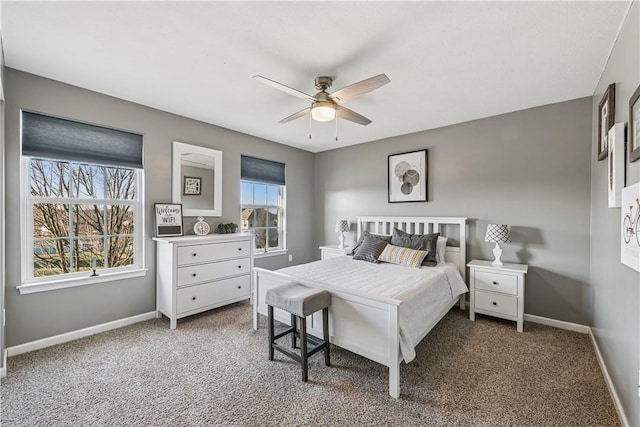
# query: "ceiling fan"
(326, 106)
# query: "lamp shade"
(342, 225)
(497, 233)
(323, 111)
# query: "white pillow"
(441, 247)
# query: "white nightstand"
(497, 291)
(332, 251)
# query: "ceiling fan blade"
(286, 89)
(357, 89)
(297, 115)
(352, 116)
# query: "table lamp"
(497, 233)
(342, 225)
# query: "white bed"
(386, 315)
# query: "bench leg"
(325, 335)
(303, 347)
(295, 329)
(271, 334)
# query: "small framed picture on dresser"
(168, 219)
(634, 126)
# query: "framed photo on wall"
(634, 126)
(615, 165)
(192, 186)
(606, 117)
(630, 227)
(407, 177)
(168, 219)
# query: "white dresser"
(198, 273)
(497, 291)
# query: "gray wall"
(615, 287)
(528, 169)
(35, 316)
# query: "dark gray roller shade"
(61, 139)
(260, 170)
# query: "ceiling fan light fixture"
(323, 111)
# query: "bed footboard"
(368, 326)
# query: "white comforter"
(424, 292)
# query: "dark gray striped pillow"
(370, 249)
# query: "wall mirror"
(197, 179)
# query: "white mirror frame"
(180, 148)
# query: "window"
(82, 210)
(262, 200)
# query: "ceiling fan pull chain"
(309, 126)
(336, 119)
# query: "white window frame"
(30, 284)
(261, 252)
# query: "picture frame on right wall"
(606, 118)
(634, 126)
(630, 227)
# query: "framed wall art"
(615, 164)
(192, 186)
(606, 117)
(634, 126)
(168, 219)
(407, 177)
(630, 241)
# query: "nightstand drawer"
(496, 282)
(497, 303)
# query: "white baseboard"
(81, 333)
(560, 324)
(607, 379)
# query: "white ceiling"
(449, 62)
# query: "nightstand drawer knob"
(193, 298)
(239, 287)
(194, 274)
(495, 283)
(495, 303)
(239, 249)
(195, 254)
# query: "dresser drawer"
(496, 282)
(497, 303)
(213, 271)
(214, 293)
(213, 252)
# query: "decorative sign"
(630, 242)
(168, 219)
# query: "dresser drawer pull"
(239, 266)
(240, 249)
(495, 283)
(239, 287)
(194, 254)
(494, 303)
(193, 298)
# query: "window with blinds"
(262, 201)
(83, 208)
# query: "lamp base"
(497, 252)
(341, 237)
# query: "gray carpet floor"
(213, 370)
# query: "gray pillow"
(370, 249)
(424, 242)
(367, 234)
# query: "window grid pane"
(73, 237)
(263, 217)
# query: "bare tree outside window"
(83, 216)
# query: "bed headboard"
(453, 228)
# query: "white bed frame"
(361, 323)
